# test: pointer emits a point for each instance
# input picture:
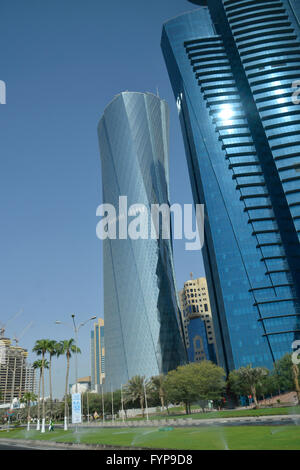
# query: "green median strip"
(212, 438)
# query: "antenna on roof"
(191, 274)
(157, 93)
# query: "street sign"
(76, 408)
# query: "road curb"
(69, 445)
(192, 422)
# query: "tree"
(295, 369)
(52, 350)
(112, 401)
(210, 380)
(39, 365)
(135, 390)
(286, 374)
(195, 382)
(268, 386)
(40, 348)
(91, 402)
(158, 387)
(27, 398)
(67, 347)
(58, 410)
(236, 385)
(249, 379)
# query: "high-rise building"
(143, 333)
(16, 375)
(197, 321)
(232, 64)
(97, 355)
(30, 383)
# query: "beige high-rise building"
(16, 375)
(197, 320)
(97, 355)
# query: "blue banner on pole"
(76, 408)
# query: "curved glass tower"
(232, 64)
(143, 334)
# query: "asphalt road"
(9, 446)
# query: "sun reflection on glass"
(226, 112)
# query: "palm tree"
(27, 398)
(39, 365)
(252, 378)
(40, 348)
(157, 384)
(295, 370)
(67, 347)
(135, 390)
(52, 349)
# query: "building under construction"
(16, 375)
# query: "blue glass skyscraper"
(232, 64)
(143, 334)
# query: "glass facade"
(199, 348)
(143, 333)
(232, 64)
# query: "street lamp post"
(103, 419)
(76, 360)
(147, 414)
(88, 407)
(12, 389)
(13, 384)
(122, 401)
(76, 357)
(112, 406)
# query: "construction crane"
(15, 339)
(4, 325)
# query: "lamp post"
(12, 387)
(76, 358)
(112, 406)
(76, 329)
(147, 414)
(88, 407)
(13, 382)
(103, 419)
(122, 402)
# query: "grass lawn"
(208, 438)
(227, 413)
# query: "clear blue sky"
(63, 61)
